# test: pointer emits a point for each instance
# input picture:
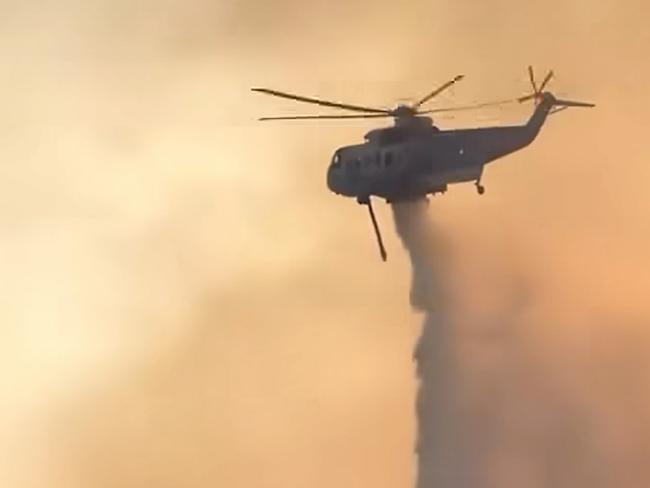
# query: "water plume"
(488, 412)
(498, 404)
(438, 424)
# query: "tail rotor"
(539, 94)
(537, 91)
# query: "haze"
(183, 303)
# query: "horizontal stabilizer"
(570, 103)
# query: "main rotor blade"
(468, 107)
(545, 82)
(531, 76)
(327, 117)
(437, 91)
(316, 101)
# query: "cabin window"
(388, 158)
(357, 162)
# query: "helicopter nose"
(334, 178)
(338, 180)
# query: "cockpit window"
(336, 160)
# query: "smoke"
(183, 303)
(159, 267)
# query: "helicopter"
(414, 158)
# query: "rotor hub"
(404, 111)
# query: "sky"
(185, 303)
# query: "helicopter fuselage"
(414, 158)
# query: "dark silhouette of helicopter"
(414, 158)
